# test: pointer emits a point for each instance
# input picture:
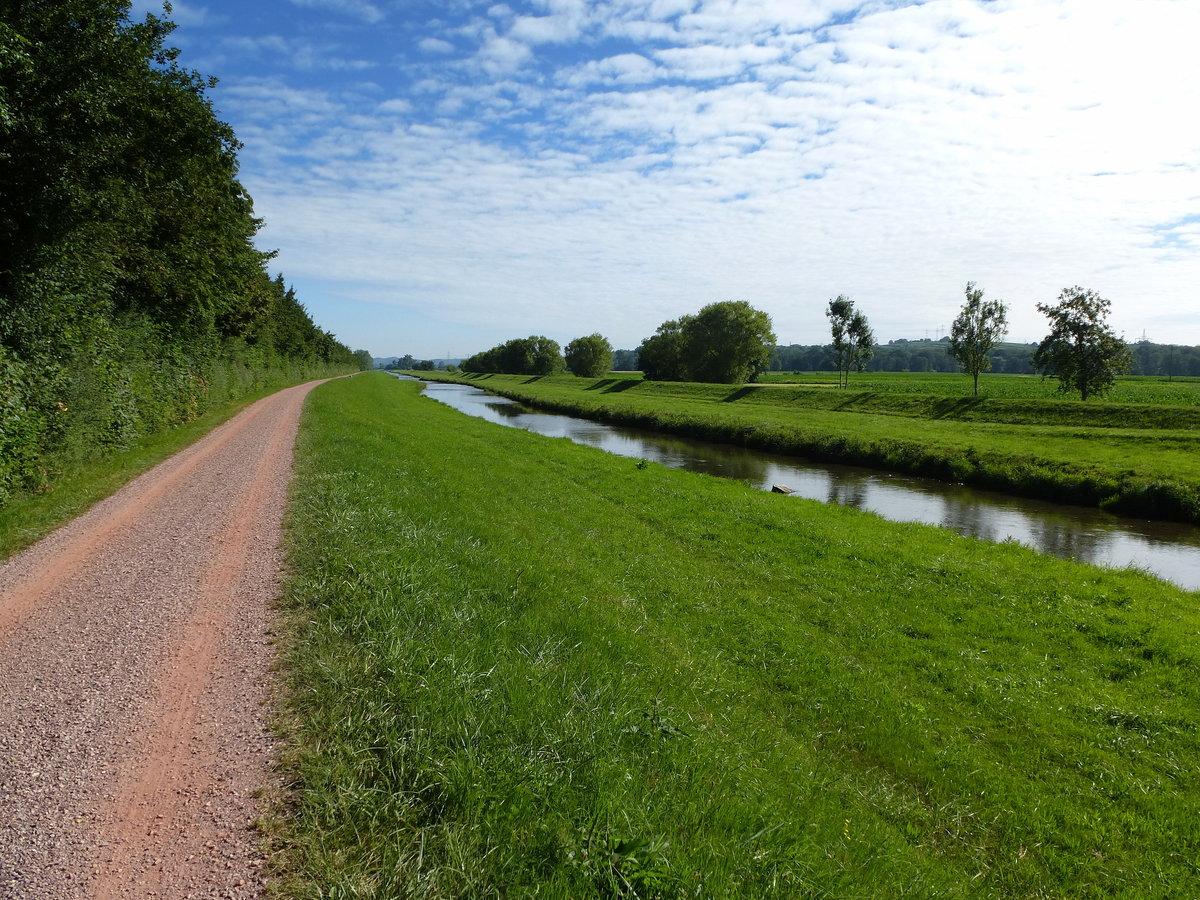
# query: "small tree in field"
(979, 327)
(1085, 354)
(853, 340)
(589, 357)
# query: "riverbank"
(522, 666)
(1137, 459)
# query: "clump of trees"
(853, 341)
(132, 297)
(533, 355)
(729, 342)
(978, 328)
(589, 357)
(1081, 350)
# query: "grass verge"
(519, 667)
(78, 484)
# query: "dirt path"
(135, 662)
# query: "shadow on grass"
(954, 408)
(613, 385)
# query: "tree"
(662, 356)
(979, 327)
(589, 357)
(365, 360)
(534, 355)
(853, 341)
(728, 342)
(545, 356)
(1081, 349)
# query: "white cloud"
(546, 29)
(706, 62)
(625, 68)
(435, 45)
(296, 53)
(358, 9)
(500, 55)
(749, 150)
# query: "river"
(1167, 549)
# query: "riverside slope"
(136, 647)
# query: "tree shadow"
(739, 394)
(956, 407)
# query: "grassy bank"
(78, 483)
(1141, 459)
(520, 667)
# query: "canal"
(1167, 549)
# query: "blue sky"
(441, 176)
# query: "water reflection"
(1170, 550)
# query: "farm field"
(1180, 391)
(522, 667)
(1139, 458)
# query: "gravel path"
(135, 664)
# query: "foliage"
(1081, 349)
(534, 355)
(728, 342)
(132, 297)
(978, 328)
(520, 667)
(663, 356)
(853, 341)
(589, 357)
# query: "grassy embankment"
(81, 482)
(520, 667)
(1134, 457)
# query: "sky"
(439, 177)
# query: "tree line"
(132, 297)
(587, 357)
(732, 342)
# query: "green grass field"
(519, 667)
(1129, 388)
(1139, 458)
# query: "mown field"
(1179, 391)
(519, 667)
(1140, 458)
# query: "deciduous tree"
(661, 356)
(853, 340)
(728, 342)
(589, 357)
(1081, 349)
(979, 327)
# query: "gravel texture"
(135, 677)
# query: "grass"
(78, 484)
(1136, 458)
(1181, 391)
(519, 667)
